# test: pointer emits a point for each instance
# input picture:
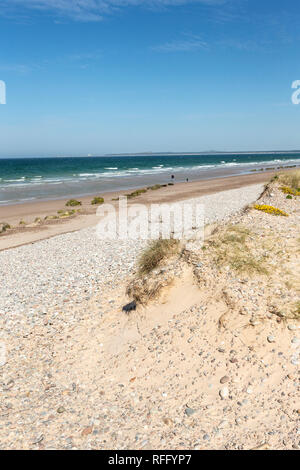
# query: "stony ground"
(72, 267)
(214, 364)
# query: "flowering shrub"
(270, 210)
(290, 191)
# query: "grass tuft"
(51, 217)
(136, 193)
(4, 226)
(231, 250)
(297, 310)
(97, 200)
(63, 214)
(290, 179)
(157, 186)
(235, 234)
(73, 203)
(155, 253)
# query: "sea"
(29, 179)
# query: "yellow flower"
(270, 210)
(291, 191)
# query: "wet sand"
(28, 212)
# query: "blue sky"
(93, 76)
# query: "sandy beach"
(149, 228)
(28, 212)
(211, 362)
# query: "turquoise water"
(23, 179)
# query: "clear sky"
(102, 76)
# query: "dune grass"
(97, 200)
(139, 192)
(155, 253)
(290, 179)
(73, 203)
(297, 310)
(136, 193)
(231, 249)
(4, 226)
(235, 234)
(157, 186)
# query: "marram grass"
(4, 226)
(73, 202)
(155, 253)
(290, 179)
(97, 200)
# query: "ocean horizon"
(39, 178)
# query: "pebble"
(224, 393)
(189, 411)
(224, 379)
(8, 385)
(292, 327)
(167, 421)
(223, 424)
(271, 339)
(38, 439)
(87, 431)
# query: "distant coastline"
(210, 152)
(157, 154)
